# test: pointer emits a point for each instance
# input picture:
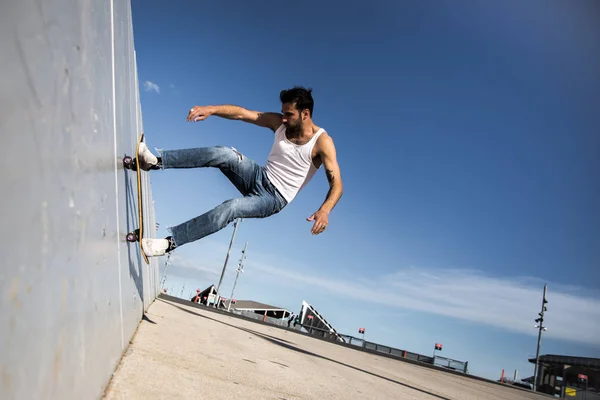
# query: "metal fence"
(450, 363)
(253, 315)
(334, 336)
(461, 366)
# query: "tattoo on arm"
(330, 179)
(333, 175)
(330, 176)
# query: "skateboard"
(134, 164)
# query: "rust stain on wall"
(13, 292)
(57, 363)
(6, 380)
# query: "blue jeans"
(260, 198)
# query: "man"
(299, 149)
(290, 319)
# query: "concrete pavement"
(185, 352)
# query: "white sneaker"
(155, 247)
(147, 159)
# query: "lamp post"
(235, 226)
(541, 328)
(240, 268)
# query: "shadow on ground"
(289, 345)
(145, 318)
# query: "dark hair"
(299, 96)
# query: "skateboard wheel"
(127, 162)
(131, 237)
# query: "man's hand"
(200, 113)
(321, 219)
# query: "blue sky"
(468, 141)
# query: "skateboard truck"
(129, 163)
(133, 236)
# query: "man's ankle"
(158, 164)
(172, 245)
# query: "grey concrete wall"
(72, 289)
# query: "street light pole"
(541, 328)
(240, 268)
(235, 226)
(164, 277)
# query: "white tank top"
(289, 166)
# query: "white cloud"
(185, 267)
(510, 303)
(151, 87)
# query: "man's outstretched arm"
(328, 155)
(269, 120)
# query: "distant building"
(563, 376)
(315, 324)
(205, 296)
(258, 308)
(249, 308)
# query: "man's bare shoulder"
(325, 142)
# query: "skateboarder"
(299, 149)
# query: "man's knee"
(243, 207)
(230, 210)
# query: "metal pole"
(239, 269)
(164, 277)
(586, 389)
(540, 329)
(235, 226)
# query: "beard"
(295, 129)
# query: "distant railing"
(450, 363)
(444, 362)
(333, 336)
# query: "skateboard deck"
(134, 163)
